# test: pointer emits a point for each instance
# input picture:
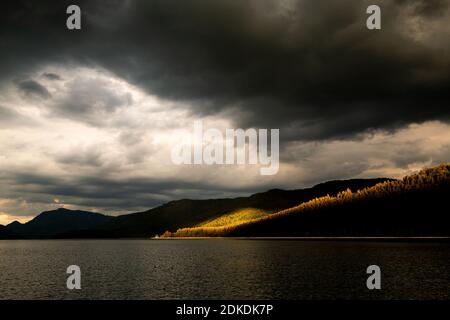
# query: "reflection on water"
(223, 269)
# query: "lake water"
(223, 269)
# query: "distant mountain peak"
(57, 222)
(14, 223)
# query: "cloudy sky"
(88, 117)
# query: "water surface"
(223, 269)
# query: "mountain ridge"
(49, 224)
(409, 207)
(186, 212)
(177, 213)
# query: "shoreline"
(346, 238)
(412, 239)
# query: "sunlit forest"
(413, 206)
(236, 217)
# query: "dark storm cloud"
(310, 68)
(51, 76)
(33, 89)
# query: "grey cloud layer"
(309, 67)
(111, 195)
(90, 101)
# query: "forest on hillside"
(413, 206)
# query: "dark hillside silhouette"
(64, 223)
(50, 224)
(414, 206)
(186, 213)
(7, 234)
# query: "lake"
(223, 269)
